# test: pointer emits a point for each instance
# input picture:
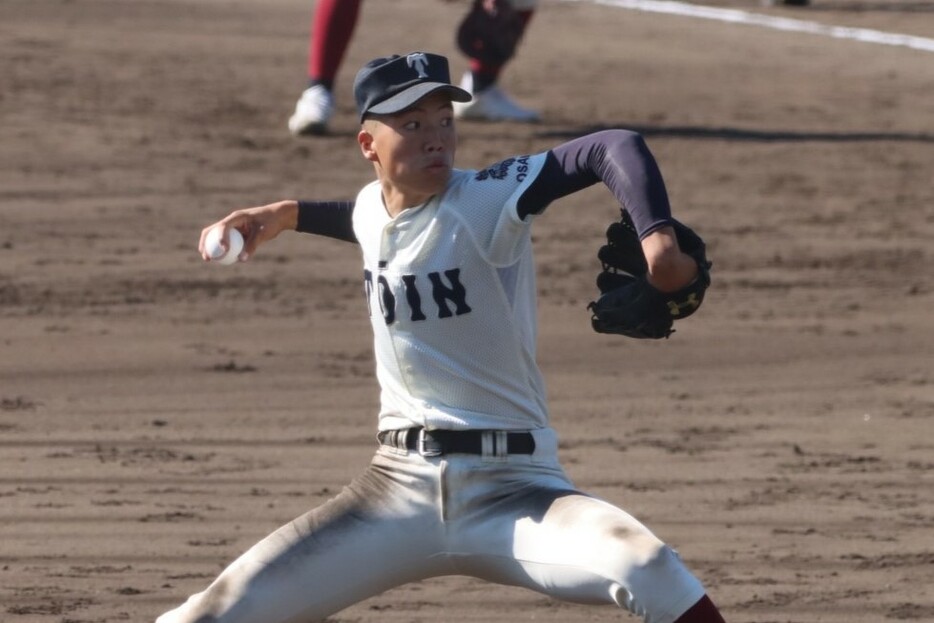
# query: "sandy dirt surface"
(158, 415)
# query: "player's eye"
(412, 125)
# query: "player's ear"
(365, 140)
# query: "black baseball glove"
(629, 305)
(490, 31)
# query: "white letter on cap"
(419, 62)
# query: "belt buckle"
(424, 448)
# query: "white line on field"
(736, 16)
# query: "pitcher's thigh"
(585, 549)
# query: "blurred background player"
(487, 36)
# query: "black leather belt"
(438, 442)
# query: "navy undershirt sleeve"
(618, 158)
(333, 219)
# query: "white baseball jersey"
(440, 275)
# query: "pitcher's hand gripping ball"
(628, 304)
(217, 252)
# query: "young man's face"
(413, 149)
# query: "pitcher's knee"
(660, 588)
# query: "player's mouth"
(440, 164)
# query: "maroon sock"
(484, 74)
(702, 612)
(332, 27)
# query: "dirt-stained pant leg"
(382, 530)
(587, 550)
(513, 519)
(520, 521)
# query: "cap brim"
(408, 98)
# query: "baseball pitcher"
(466, 479)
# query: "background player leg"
(332, 28)
(490, 102)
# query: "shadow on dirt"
(741, 134)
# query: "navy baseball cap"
(393, 83)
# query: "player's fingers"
(225, 223)
(250, 222)
(256, 235)
(258, 226)
(201, 246)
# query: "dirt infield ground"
(159, 415)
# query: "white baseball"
(216, 251)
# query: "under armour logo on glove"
(688, 305)
(418, 61)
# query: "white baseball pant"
(513, 519)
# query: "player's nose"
(435, 139)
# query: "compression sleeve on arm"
(618, 158)
(327, 218)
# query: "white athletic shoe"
(312, 112)
(491, 104)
